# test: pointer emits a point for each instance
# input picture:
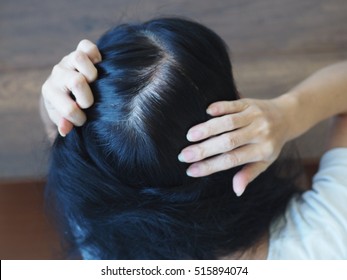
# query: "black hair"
(116, 182)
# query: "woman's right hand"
(71, 75)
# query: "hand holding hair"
(246, 132)
(70, 76)
(252, 132)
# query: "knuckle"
(231, 159)
(86, 103)
(207, 168)
(66, 59)
(199, 152)
(69, 111)
(230, 121)
(266, 128)
(77, 82)
(207, 130)
(270, 149)
(256, 110)
(84, 44)
(79, 56)
(233, 142)
(246, 100)
(230, 142)
(56, 70)
(88, 47)
(241, 102)
(93, 74)
(267, 152)
(93, 48)
(262, 154)
(244, 103)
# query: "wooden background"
(274, 45)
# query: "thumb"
(246, 175)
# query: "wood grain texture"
(274, 45)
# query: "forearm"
(319, 97)
(338, 132)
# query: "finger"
(237, 157)
(217, 126)
(64, 127)
(246, 175)
(64, 107)
(73, 82)
(52, 113)
(216, 145)
(80, 61)
(227, 107)
(90, 49)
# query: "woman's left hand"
(246, 132)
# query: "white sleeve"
(315, 223)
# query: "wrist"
(289, 106)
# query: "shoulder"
(314, 225)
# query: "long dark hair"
(116, 183)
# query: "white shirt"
(314, 225)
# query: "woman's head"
(118, 177)
(156, 81)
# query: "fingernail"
(186, 156)
(61, 133)
(193, 171)
(194, 135)
(211, 110)
(238, 191)
(181, 158)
